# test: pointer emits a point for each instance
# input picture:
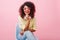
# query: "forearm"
(27, 26)
(32, 30)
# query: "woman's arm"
(27, 18)
(27, 25)
(32, 30)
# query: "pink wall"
(47, 17)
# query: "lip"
(27, 12)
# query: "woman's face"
(26, 10)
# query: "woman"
(26, 22)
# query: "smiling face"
(26, 10)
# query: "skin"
(27, 17)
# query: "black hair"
(30, 5)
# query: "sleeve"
(34, 24)
(21, 23)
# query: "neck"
(27, 15)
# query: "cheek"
(29, 10)
(24, 10)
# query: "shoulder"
(20, 18)
(33, 19)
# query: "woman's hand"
(22, 32)
(27, 18)
(32, 30)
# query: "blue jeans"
(26, 36)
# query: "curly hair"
(32, 10)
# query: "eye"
(24, 8)
(29, 8)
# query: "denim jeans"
(26, 36)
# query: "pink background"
(47, 17)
